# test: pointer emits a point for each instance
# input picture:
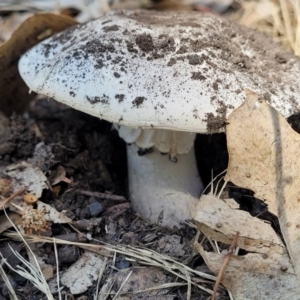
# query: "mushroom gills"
(165, 141)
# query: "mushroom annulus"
(161, 78)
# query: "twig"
(72, 237)
(86, 224)
(57, 270)
(224, 265)
(19, 192)
(103, 196)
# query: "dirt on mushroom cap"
(202, 60)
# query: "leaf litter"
(254, 241)
(265, 272)
(263, 157)
(79, 152)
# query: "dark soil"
(94, 157)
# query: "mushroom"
(162, 77)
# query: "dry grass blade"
(122, 285)
(33, 275)
(278, 18)
(288, 24)
(57, 269)
(159, 287)
(100, 277)
(189, 284)
(150, 257)
(3, 275)
(143, 256)
(162, 286)
(296, 6)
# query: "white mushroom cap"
(178, 71)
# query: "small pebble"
(123, 264)
(95, 209)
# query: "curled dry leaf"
(14, 95)
(58, 176)
(220, 222)
(264, 157)
(266, 273)
(255, 275)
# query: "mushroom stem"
(159, 187)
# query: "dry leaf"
(59, 175)
(264, 157)
(266, 273)
(231, 203)
(220, 222)
(51, 214)
(6, 224)
(24, 174)
(6, 187)
(256, 276)
(171, 245)
(80, 276)
(14, 95)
